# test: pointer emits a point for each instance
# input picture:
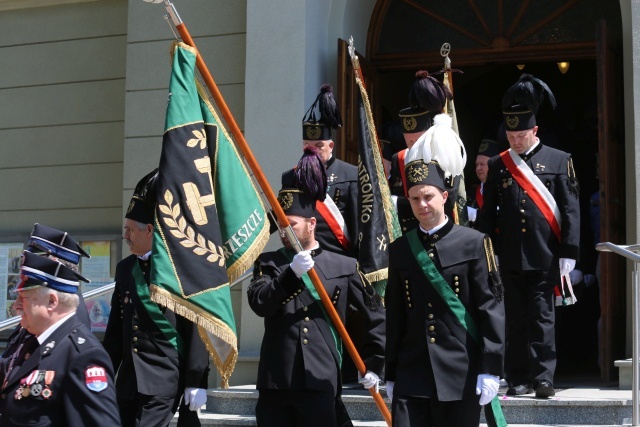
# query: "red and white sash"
(334, 219)
(479, 196)
(536, 190)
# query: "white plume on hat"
(440, 143)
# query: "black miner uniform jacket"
(342, 187)
(146, 362)
(73, 362)
(522, 237)
(298, 350)
(428, 351)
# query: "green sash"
(458, 309)
(307, 282)
(157, 316)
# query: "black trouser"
(530, 315)
(430, 412)
(145, 411)
(295, 408)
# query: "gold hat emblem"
(285, 200)
(417, 171)
(512, 121)
(131, 205)
(483, 147)
(313, 132)
(409, 123)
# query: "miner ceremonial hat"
(55, 242)
(143, 203)
(488, 147)
(427, 98)
(37, 271)
(310, 185)
(318, 128)
(521, 102)
(420, 173)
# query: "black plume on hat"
(428, 93)
(522, 100)
(327, 108)
(528, 91)
(311, 175)
(143, 203)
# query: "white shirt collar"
(436, 228)
(46, 334)
(533, 146)
(145, 256)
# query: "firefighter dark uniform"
(342, 187)
(146, 361)
(429, 354)
(73, 384)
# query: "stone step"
(572, 406)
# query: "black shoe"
(519, 390)
(544, 390)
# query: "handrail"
(628, 251)
(13, 321)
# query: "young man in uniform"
(299, 372)
(445, 316)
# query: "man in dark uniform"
(157, 353)
(427, 98)
(299, 371)
(488, 148)
(337, 219)
(68, 378)
(531, 211)
(58, 246)
(445, 317)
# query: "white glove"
(302, 263)
(370, 379)
(472, 213)
(195, 397)
(390, 385)
(487, 388)
(566, 266)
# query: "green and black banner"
(210, 222)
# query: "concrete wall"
(62, 117)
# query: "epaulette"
(371, 298)
(497, 288)
(572, 182)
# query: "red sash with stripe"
(403, 175)
(333, 224)
(534, 188)
(479, 196)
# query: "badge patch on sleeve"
(95, 377)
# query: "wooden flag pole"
(273, 201)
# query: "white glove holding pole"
(390, 385)
(370, 379)
(302, 262)
(487, 388)
(195, 397)
(566, 266)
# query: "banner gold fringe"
(393, 227)
(206, 324)
(245, 262)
